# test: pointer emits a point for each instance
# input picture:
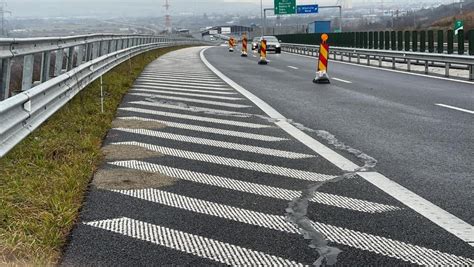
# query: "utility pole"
(3, 5)
(261, 17)
(168, 26)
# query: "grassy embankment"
(44, 179)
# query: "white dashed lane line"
(291, 67)
(455, 108)
(341, 80)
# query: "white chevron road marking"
(189, 243)
(196, 118)
(216, 143)
(363, 241)
(197, 128)
(256, 189)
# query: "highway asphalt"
(197, 174)
(390, 116)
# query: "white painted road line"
(203, 83)
(211, 111)
(456, 108)
(442, 218)
(341, 80)
(367, 242)
(186, 94)
(216, 143)
(192, 100)
(291, 67)
(185, 86)
(181, 80)
(197, 128)
(196, 118)
(216, 92)
(256, 189)
(236, 163)
(192, 244)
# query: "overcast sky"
(48, 8)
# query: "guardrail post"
(58, 64)
(447, 66)
(414, 40)
(357, 39)
(461, 42)
(387, 40)
(27, 81)
(399, 40)
(376, 40)
(6, 74)
(431, 41)
(423, 41)
(80, 55)
(365, 38)
(371, 40)
(471, 42)
(70, 58)
(440, 37)
(381, 40)
(45, 66)
(393, 40)
(450, 41)
(407, 41)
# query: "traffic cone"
(231, 44)
(263, 53)
(322, 75)
(244, 46)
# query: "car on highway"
(273, 44)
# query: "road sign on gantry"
(285, 7)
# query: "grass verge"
(43, 180)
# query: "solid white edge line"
(455, 108)
(435, 214)
(341, 80)
(390, 70)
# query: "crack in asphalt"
(297, 210)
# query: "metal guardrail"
(427, 60)
(94, 55)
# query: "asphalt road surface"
(202, 172)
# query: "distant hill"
(447, 22)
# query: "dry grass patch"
(124, 179)
(121, 152)
(137, 124)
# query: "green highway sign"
(458, 25)
(285, 7)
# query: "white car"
(273, 44)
